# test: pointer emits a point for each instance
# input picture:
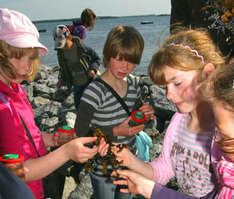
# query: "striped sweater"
(225, 174)
(100, 109)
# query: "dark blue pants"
(103, 188)
(78, 91)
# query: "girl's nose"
(170, 93)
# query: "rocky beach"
(55, 107)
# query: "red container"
(65, 134)
(137, 118)
(14, 163)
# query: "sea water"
(153, 35)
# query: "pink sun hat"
(17, 30)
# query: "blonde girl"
(19, 60)
(184, 61)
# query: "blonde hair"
(7, 51)
(220, 87)
(125, 42)
(186, 50)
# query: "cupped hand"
(77, 150)
(103, 148)
(125, 156)
(136, 183)
(125, 130)
(148, 111)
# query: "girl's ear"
(207, 70)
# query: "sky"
(66, 9)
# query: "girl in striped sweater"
(99, 108)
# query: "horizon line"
(98, 17)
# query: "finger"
(89, 151)
(124, 173)
(124, 190)
(120, 182)
(119, 173)
(103, 152)
(86, 140)
(128, 119)
(137, 129)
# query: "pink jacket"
(13, 136)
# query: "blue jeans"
(103, 188)
(78, 91)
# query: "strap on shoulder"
(121, 101)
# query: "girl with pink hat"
(19, 60)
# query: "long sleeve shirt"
(185, 156)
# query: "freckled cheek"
(114, 65)
(188, 94)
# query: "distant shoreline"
(101, 17)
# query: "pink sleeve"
(226, 172)
(162, 166)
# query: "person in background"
(219, 91)
(183, 62)
(78, 67)
(86, 22)
(78, 63)
(100, 109)
(19, 60)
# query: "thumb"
(85, 140)
(128, 119)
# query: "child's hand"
(125, 156)
(77, 151)
(125, 130)
(136, 183)
(148, 111)
(55, 138)
(92, 73)
(103, 148)
(50, 139)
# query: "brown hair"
(186, 50)
(125, 42)
(220, 87)
(86, 17)
(7, 51)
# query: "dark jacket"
(83, 53)
(12, 186)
